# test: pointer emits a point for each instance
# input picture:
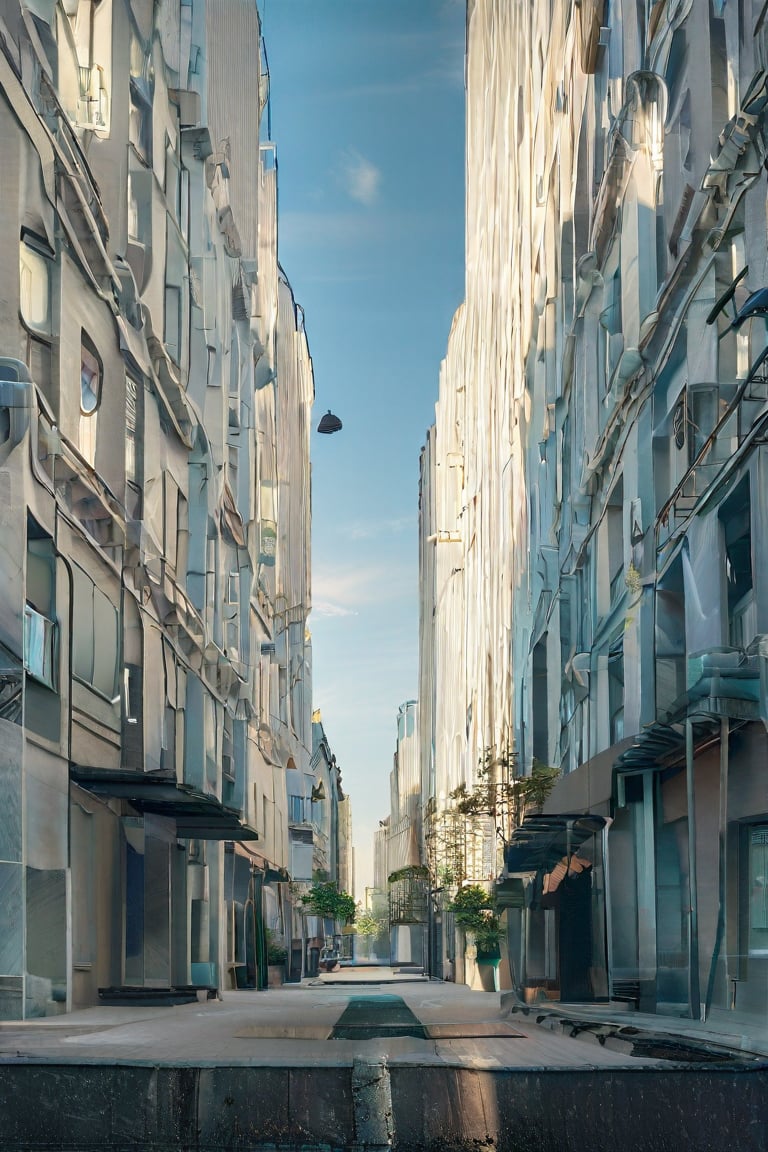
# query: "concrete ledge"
(93, 1108)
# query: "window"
(616, 690)
(140, 118)
(134, 464)
(228, 749)
(615, 525)
(173, 322)
(757, 881)
(209, 714)
(39, 625)
(170, 518)
(90, 396)
(40, 647)
(90, 23)
(176, 189)
(735, 517)
(35, 282)
(296, 809)
(540, 698)
(94, 636)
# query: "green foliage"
(472, 907)
(325, 900)
(469, 906)
(410, 872)
(277, 953)
(366, 924)
(503, 795)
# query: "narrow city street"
(363, 1058)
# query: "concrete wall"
(450, 1109)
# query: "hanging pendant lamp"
(329, 423)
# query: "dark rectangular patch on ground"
(468, 1031)
(371, 1017)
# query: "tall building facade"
(155, 396)
(592, 496)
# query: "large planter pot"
(275, 975)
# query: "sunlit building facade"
(155, 395)
(592, 497)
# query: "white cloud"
(360, 177)
(328, 608)
(338, 592)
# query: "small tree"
(325, 900)
(503, 795)
(366, 924)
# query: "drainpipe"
(722, 863)
(694, 991)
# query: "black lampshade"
(329, 423)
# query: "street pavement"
(292, 1026)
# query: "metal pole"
(694, 991)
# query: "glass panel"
(758, 891)
(105, 648)
(39, 647)
(173, 321)
(82, 629)
(90, 381)
(34, 299)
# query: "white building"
(595, 475)
(155, 389)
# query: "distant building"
(593, 498)
(155, 395)
(319, 832)
(400, 887)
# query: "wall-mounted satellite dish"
(329, 424)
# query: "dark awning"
(541, 841)
(197, 816)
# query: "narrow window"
(134, 470)
(95, 636)
(90, 397)
(173, 322)
(736, 519)
(35, 258)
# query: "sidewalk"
(291, 1027)
(258, 1070)
(721, 1031)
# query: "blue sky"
(367, 107)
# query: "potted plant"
(473, 910)
(277, 956)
